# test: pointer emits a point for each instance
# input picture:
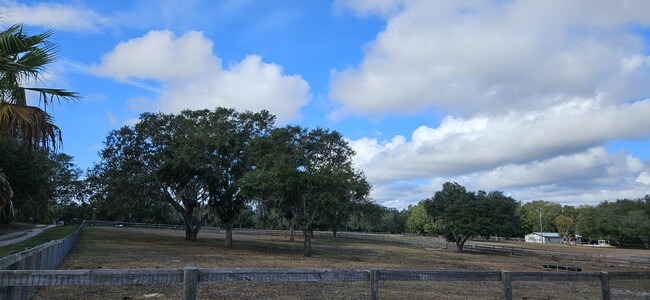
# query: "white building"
(548, 237)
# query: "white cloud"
(594, 167)
(586, 177)
(532, 91)
(191, 76)
(53, 15)
(160, 56)
(644, 178)
(467, 145)
(493, 56)
(248, 85)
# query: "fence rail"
(190, 277)
(45, 256)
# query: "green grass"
(53, 233)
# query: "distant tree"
(457, 214)
(353, 195)
(66, 189)
(29, 173)
(124, 185)
(374, 217)
(305, 173)
(460, 214)
(566, 226)
(502, 214)
(530, 216)
(66, 180)
(418, 220)
(623, 222)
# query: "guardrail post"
(374, 285)
(190, 283)
(506, 284)
(604, 285)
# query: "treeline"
(231, 169)
(460, 215)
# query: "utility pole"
(541, 229)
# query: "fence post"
(604, 285)
(374, 285)
(190, 282)
(506, 284)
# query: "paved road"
(17, 237)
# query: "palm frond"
(29, 54)
(33, 126)
(6, 193)
(49, 96)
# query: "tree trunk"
(334, 231)
(229, 229)
(306, 243)
(460, 243)
(192, 231)
(292, 231)
(190, 234)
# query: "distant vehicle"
(119, 225)
(601, 243)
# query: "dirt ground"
(121, 248)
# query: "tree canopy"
(460, 214)
(306, 173)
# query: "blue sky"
(539, 99)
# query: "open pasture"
(129, 248)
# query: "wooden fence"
(46, 256)
(190, 277)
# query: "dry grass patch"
(128, 248)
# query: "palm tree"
(23, 59)
(5, 195)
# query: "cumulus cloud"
(466, 145)
(531, 91)
(191, 76)
(594, 167)
(586, 177)
(492, 56)
(53, 15)
(160, 56)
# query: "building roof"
(547, 234)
